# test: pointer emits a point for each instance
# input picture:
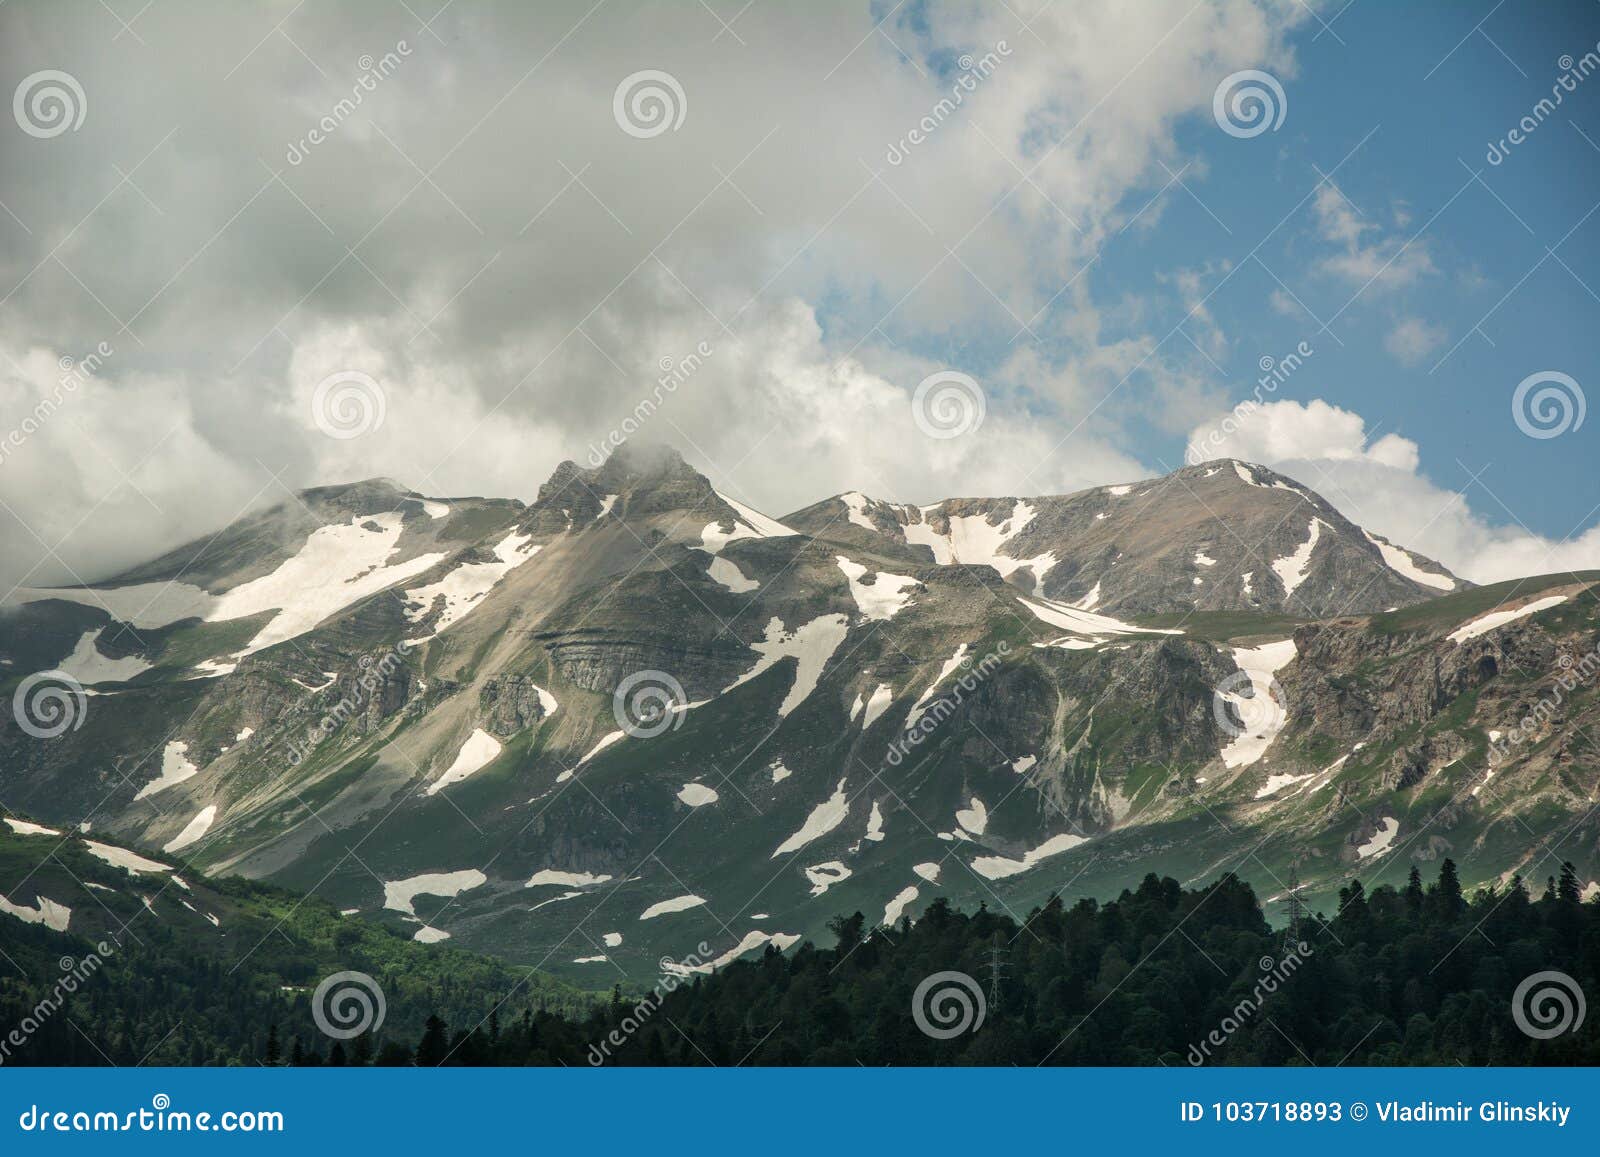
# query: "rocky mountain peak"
(635, 479)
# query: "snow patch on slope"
(974, 817)
(1291, 568)
(1483, 624)
(339, 565)
(856, 503)
(812, 645)
(726, 572)
(824, 876)
(130, 862)
(1263, 714)
(88, 666)
(400, 894)
(885, 597)
(1380, 843)
(893, 909)
(1001, 867)
(565, 879)
(465, 586)
(336, 566)
(973, 540)
(24, 828)
(476, 753)
(53, 916)
(193, 830)
(665, 907)
(826, 816)
(877, 703)
(175, 768)
(1403, 564)
(751, 941)
(1084, 622)
(697, 795)
(749, 524)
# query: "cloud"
(1380, 485)
(1367, 254)
(480, 235)
(1412, 340)
(94, 475)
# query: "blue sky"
(1394, 106)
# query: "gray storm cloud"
(259, 196)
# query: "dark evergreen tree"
(434, 1045)
(1568, 890)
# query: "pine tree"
(434, 1045)
(274, 1055)
(1567, 889)
(1447, 891)
(1414, 893)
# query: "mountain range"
(637, 718)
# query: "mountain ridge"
(638, 707)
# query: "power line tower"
(997, 969)
(1297, 911)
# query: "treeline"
(165, 996)
(1421, 975)
(1411, 976)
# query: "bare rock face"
(599, 661)
(1413, 763)
(509, 704)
